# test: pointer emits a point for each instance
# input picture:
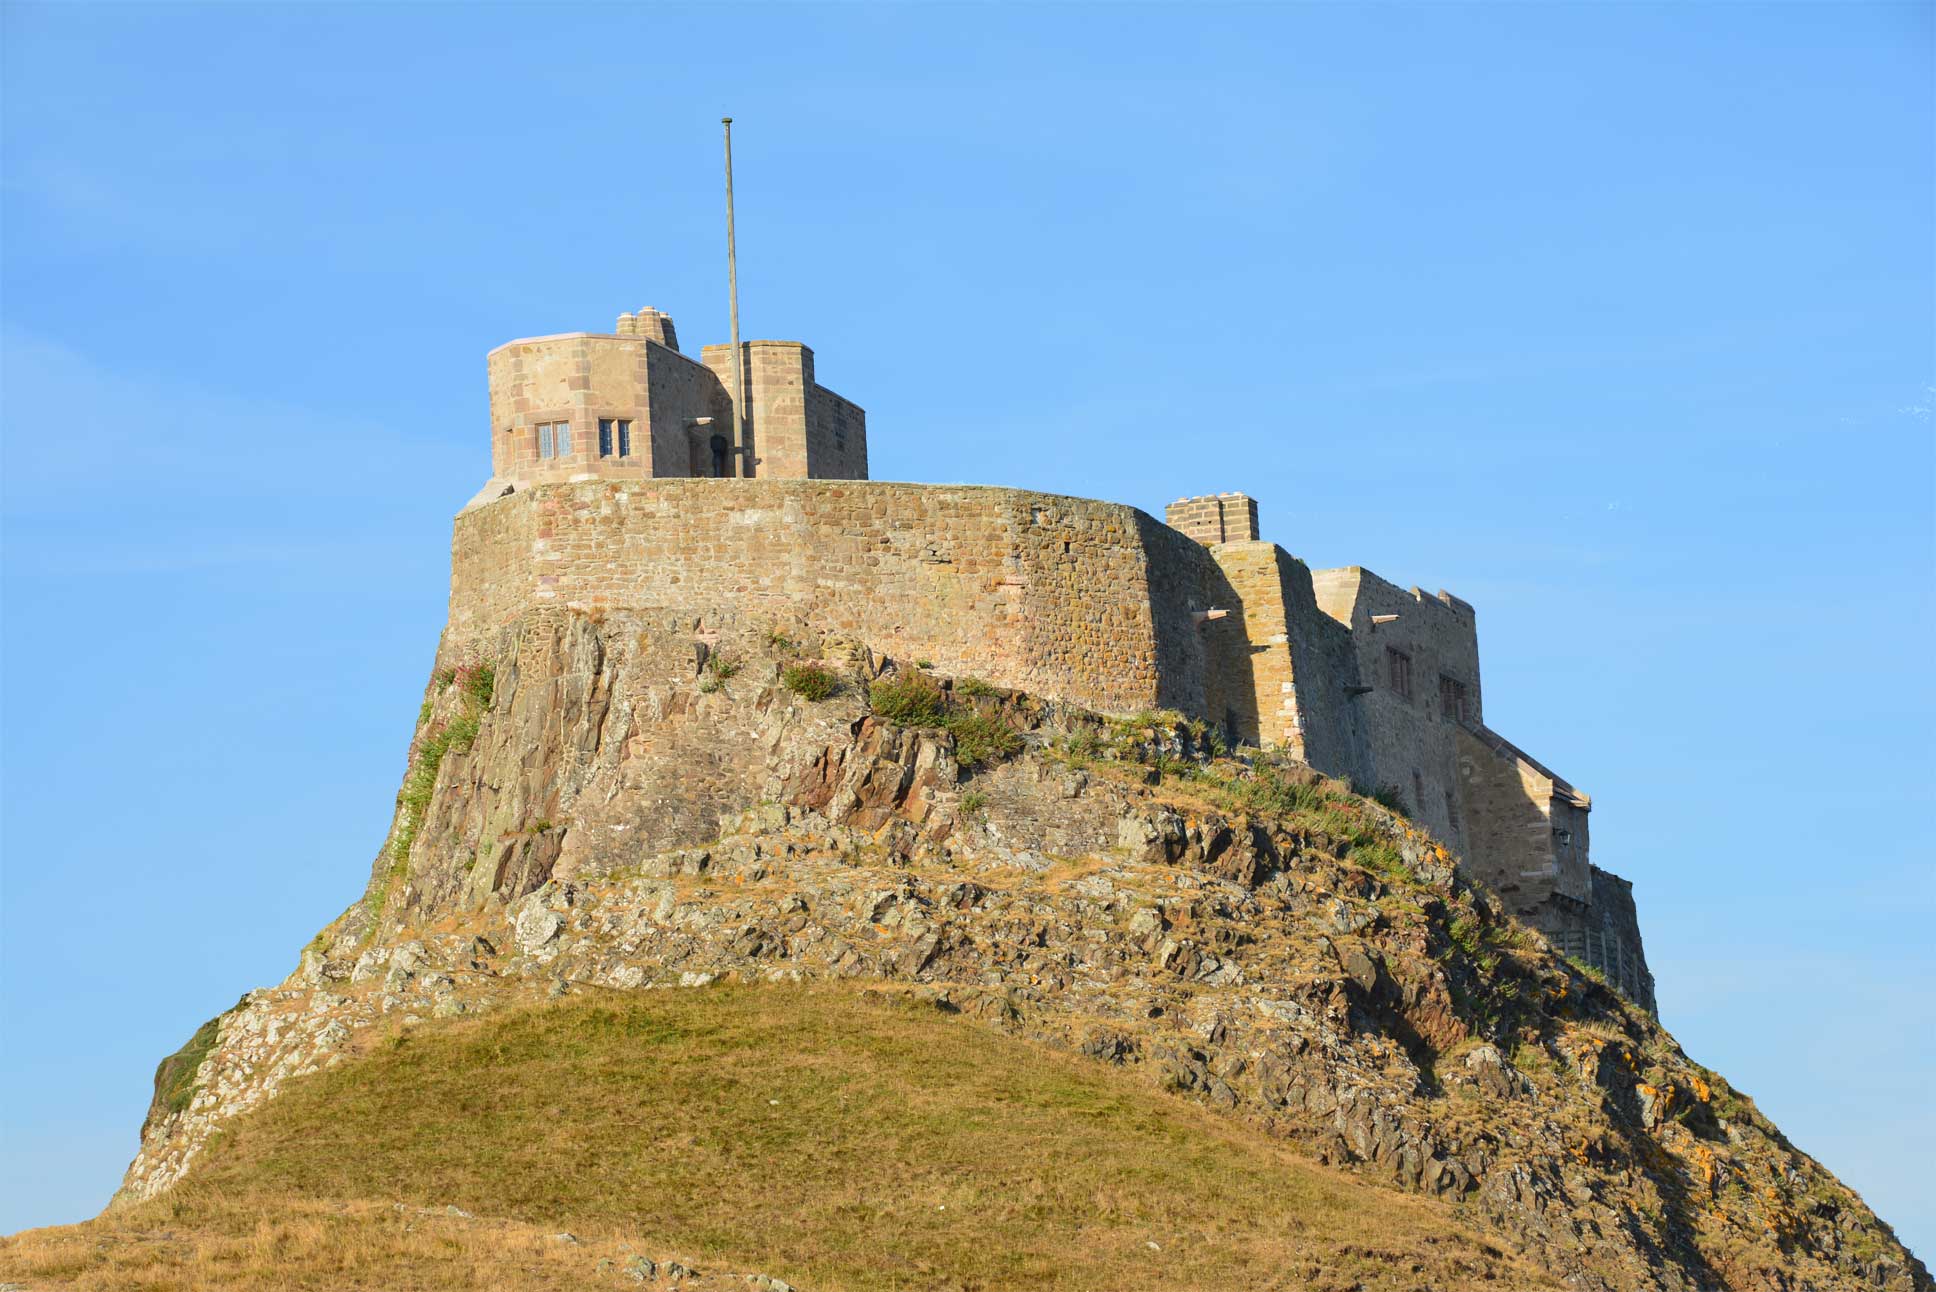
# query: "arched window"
(721, 452)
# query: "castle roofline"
(1446, 599)
(591, 336)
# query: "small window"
(1451, 699)
(614, 437)
(1452, 812)
(1398, 671)
(720, 449)
(554, 439)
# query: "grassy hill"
(831, 1136)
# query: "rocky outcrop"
(631, 805)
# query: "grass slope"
(834, 1137)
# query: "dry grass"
(836, 1139)
(204, 1239)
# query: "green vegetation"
(981, 738)
(973, 803)
(916, 700)
(175, 1076)
(810, 681)
(779, 641)
(974, 687)
(1485, 942)
(1589, 971)
(723, 667)
(1390, 798)
(911, 699)
(477, 685)
(915, 1141)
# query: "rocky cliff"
(624, 803)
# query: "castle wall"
(493, 573)
(582, 377)
(680, 394)
(796, 429)
(1526, 830)
(1291, 691)
(1067, 598)
(1409, 732)
(1603, 931)
(836, 436)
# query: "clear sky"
(1614, 320)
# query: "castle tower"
(796, 429)
(627, 404)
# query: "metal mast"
(740, 464)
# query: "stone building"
(1405, 665)
(619, 481)
(628, 405)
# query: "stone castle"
(621, 478)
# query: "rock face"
(628, 804)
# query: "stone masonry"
(627, 405)
(620, 482)
(1216, 518)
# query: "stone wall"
(1406, 642)
(796, 429)
(1215, 518)
(1525, 829)
(1067, 598)
(836, 436)
(581, 377)
(1292, 691)
(1603, 931)
(689, 394)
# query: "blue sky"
(1614, 320)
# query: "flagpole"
(741, 466)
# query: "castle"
(621, 478)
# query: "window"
(554, 439)
(614, 437)
(1452, 813)
(720, 449)
(1398, 671)
(1451, 699)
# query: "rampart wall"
(1072, 599)
(1086, 602)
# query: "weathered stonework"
(627, 405)
(619, 821)
(1083, 601)
(1088, 602)
(1215, 518)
